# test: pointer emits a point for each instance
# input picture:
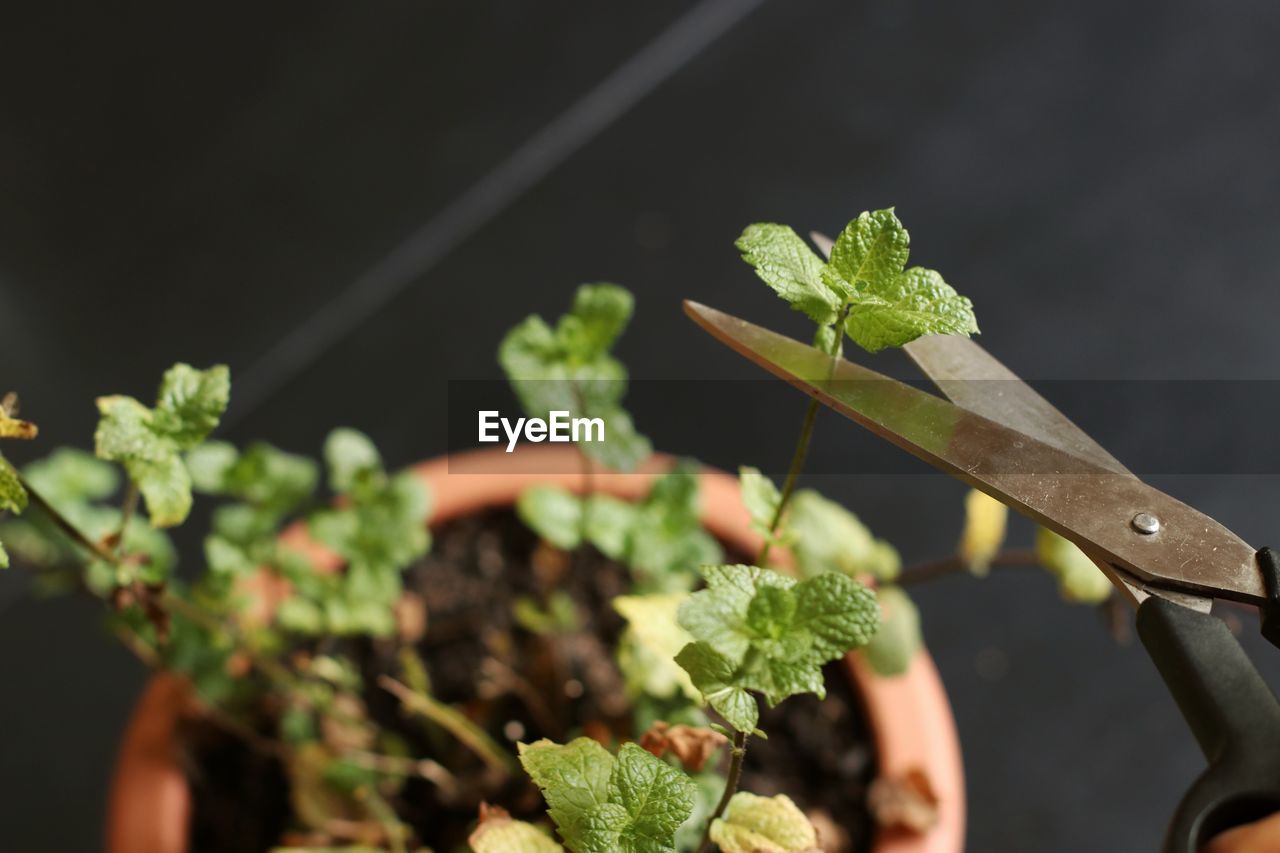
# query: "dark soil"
(522, 686)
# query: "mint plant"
(300, 636)
(569, 367)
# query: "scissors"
(1168, 560)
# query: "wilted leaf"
(829, 538)
(693, 746)
(905, 802)
(753, 824)
(893, 647)
(1078, 578)
(648, 647)
(498, 832)
(985, 519)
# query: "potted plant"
(570, 654)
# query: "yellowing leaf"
(1078, 578)
(829, 538)
(653, 638)
(498, 832)
(149, 441)
(753, 824)
(892, 648)
(985, 521)
(14, 428)
(13, 496)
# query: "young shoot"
(569, 368)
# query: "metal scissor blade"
(973, 379)
(1091, 505)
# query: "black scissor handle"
(1232, 713)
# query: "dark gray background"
(194, 183)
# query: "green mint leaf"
(718, 614)
(667, 543)
(126, 431)
(272, 481)
(71, 480)
(623, 449)
(569, 368)
(148, 442)
(655, 798)
(915, 303)
(865, 281)
(165, 486)
(379, 532)
(558, 616)
(69, 476)
(574, 779)
(191, 402)
(785, 263)
(650, 643)
(553, 513)
(771, 612)
(837, 612)
(209, 466)
(12, 496)
(225, 557)
(870, 252)
(771, 634)
(753, 824)
(349, 455)
(4, 557)
(717, 679)
(829, 538)
(893, 647)
(301, 616)
(1079, 580)
(600, 804)
(760, 496)
(608, 524)
(599, 315)
(537, 367)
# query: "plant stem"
(953, 565)
(453, 721)
(793, 474)
(802, 445)
(68, 529)
(127, 509)
(588, 475)
(730, 786)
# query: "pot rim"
(909, 715)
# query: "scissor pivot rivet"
(1146, 523)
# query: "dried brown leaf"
(832, 837)
(410, 611)
(692, 745)
(346, 726)
(905, 802)
(11, 426)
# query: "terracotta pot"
(909, 715)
